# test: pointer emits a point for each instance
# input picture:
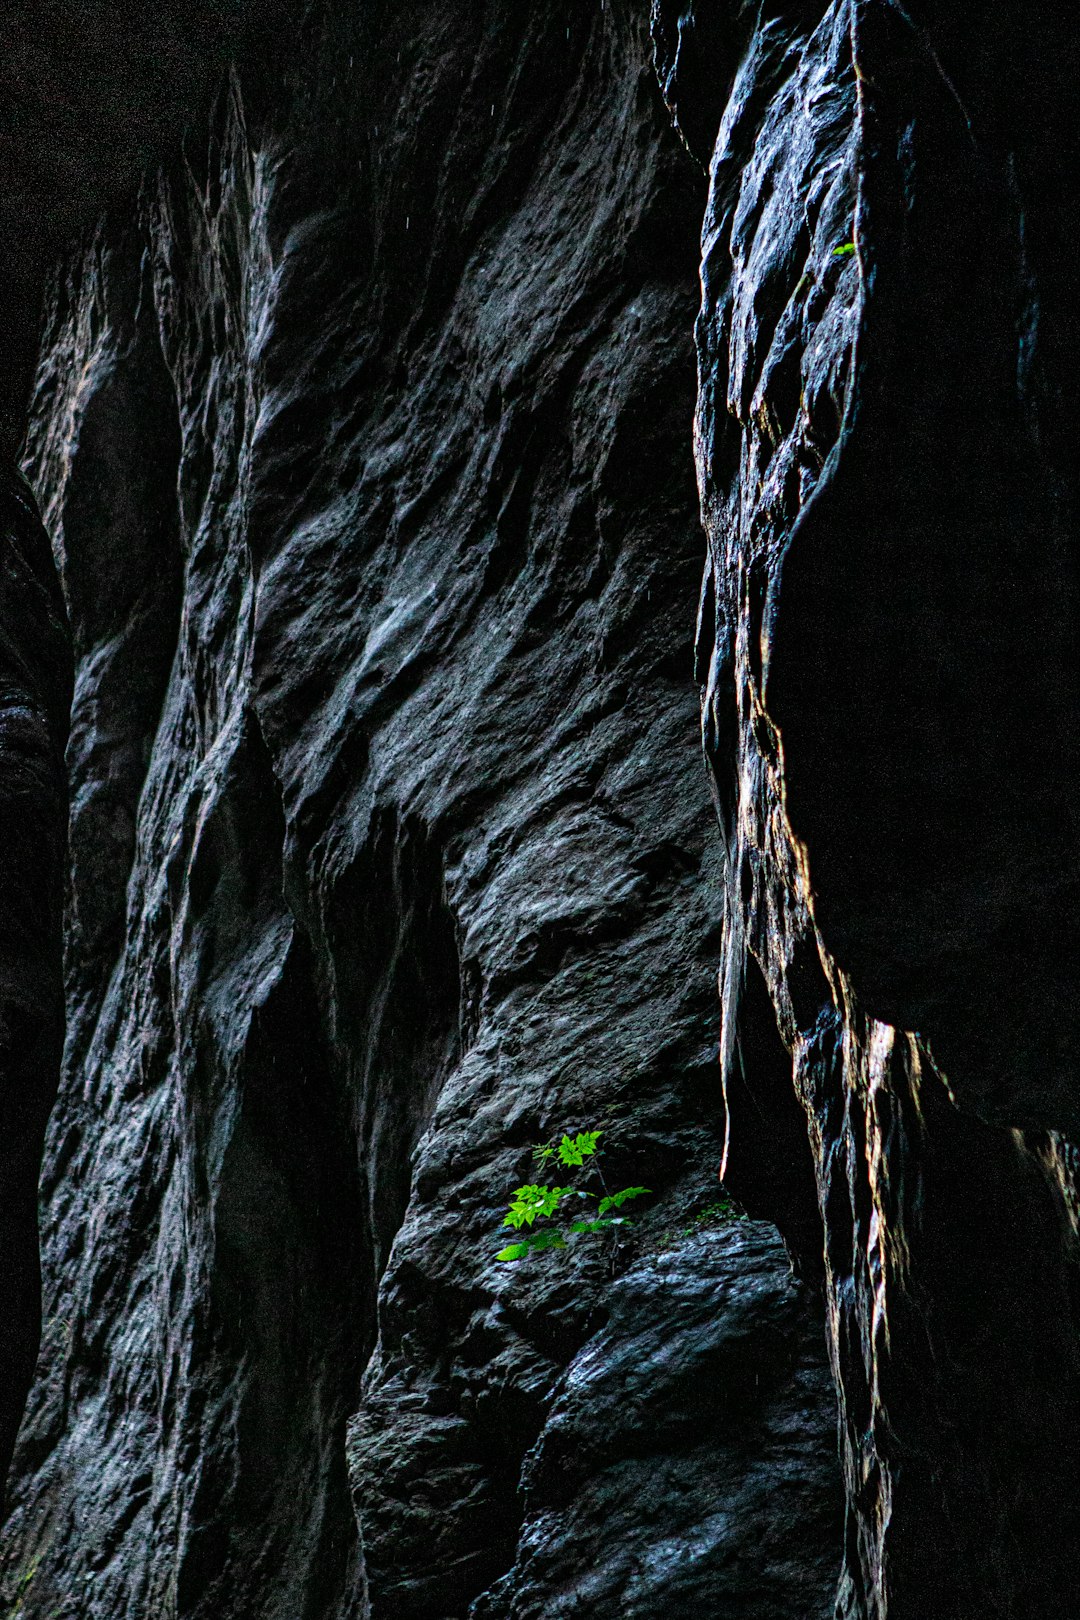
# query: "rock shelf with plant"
(534, 1203)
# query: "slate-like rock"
(35, 691)
(684, 1464)
(890, 718)
(364, 440)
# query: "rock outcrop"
(362, 434)
(364, 441)
(884, 442)
(35, 691)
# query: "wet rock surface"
(886, 637)
(680, 1466)
(363, 439)
(35, 691)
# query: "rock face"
(681, 1465)
(93, 91)
(884, 441)
(363, 440)
(35, 691)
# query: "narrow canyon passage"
(407, 382)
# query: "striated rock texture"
(35, 691)
(363, 440)
(92, 92)
(885, 441)
(681, 1466)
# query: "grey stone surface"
(35, 692)
(680, 1468)
(890, 717)
(363, 437)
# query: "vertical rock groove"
(35, 693)
(360, 431)
(885, 645)
(363, 438)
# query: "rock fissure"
(361, 431)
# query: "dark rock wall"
(35, 692)
(886, 455)
(363, 439)
(94, 91)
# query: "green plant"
(533, 1203)
(844, 250)
(724, 1209)
(720, 1212)
(21, 1592)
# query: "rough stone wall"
(362, 440)
(93, 92)
(364, 443)
(885, 445)
(35, 690)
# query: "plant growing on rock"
(21, 1593)
(723, 1211)
(723, 1208)
(534, 1203)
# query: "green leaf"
(575, 1151)
(524, 1208)
(843, 251)
(552, 1238)
(598, 1225)
(532, 1202)
(617, 1200)
(722, 1210)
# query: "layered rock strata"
(364, 443)
(884, 445)
(35, 691)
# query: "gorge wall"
(363, 439)
(885, 441)
(362, 431)
(35, 695)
